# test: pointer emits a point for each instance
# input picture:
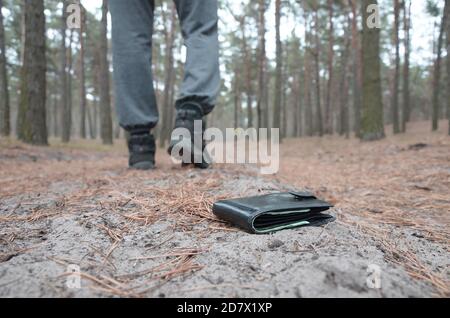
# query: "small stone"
(275, 244)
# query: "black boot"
(142, 150)
(186, 117)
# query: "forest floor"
(152, 234)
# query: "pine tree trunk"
(248, 75)
(447, 10)
(328, 108)
(90, 120)
(169, 35)
(31, 125)
(395, 89)
(69, 86)
(319, 120)
(406, 109)
(279, 68)
(344, 128)
(237, 98)
(437, 76)
(309, 127)
(263, 118)
(65, 111)
(106, 127)
(95, 74)
(284, 98)
(372, 103)
(55, 113)
(95, 119)
(5, 124)
(297, 106)
(357, 68)
(82, 78)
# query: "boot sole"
(143, 166)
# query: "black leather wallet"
(274, 212)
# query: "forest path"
(152, 233)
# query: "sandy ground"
(152, 234)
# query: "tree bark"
(319, 120)
(106, 129)
(372, 103)
(32, 127)
(437, 76)
(447, 13)
(169, 36)
(66, 120)
(82, 77)
(344, 126)
(5, 124)
(248, 74)
(284, 98)
(447, 10)
(237, 98)
(357, 68)
(309, 127)
(395, 88)
(296, 119)
(69, 86)
(95, 74)
(406, 109)
(328, 108)
(55, 113)
(263, 118)
(279, 68)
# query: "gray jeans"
(132, 29)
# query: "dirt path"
(152, 234)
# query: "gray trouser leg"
(132, 28)
(201, 82)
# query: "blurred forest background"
(317, 70)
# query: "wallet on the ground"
(274, 212)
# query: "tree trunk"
(95, 74)
(447, 10)
(307, 87)
(248, 75)
(319, 120)
(106, 127)
(65, 111)
(263, 118)
(357, 69)
(55, 113)
(328, 108)
(437, 76)
(82, 77)
(284, 103)
(90, 120)
(372, 103)
(344, 127)
(237, 99)
(296, 106)
(5, 124)
(406, 109)
(395, 88)
(31, 125)
(169, 36)
(69, 85)
(279, 68)
(95, 119)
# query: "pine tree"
(5, 126)
(372, 103)
(31, 122)
(106, 129)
